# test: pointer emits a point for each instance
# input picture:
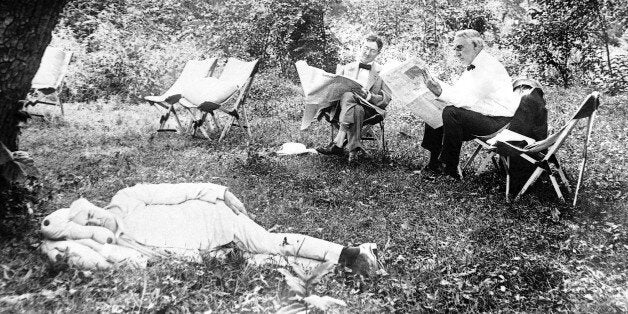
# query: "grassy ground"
(448, 246)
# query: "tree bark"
(25, 32)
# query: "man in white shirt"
(479, 103)
(352, 114)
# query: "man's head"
(467, 44)
(371, 47)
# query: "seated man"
(479, 103)
(159, 220)
(352, 114)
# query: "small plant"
(303, 284)
(16, 170)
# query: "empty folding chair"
(210, 94)
(192, 71)
(48, 80)
(542, 154)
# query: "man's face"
(465, 50)
(369, 52)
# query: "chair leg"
(470, 160)
(535, 175)
(384, 146)
(198, 126)
(584, 157)
(556, 187)
(561, 173)
(176, 118)
(216, 120)
(226, 129)
(245, 117)
(506, 162)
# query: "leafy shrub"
(614, 81)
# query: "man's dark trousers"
(458, 125)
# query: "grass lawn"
(447, 246)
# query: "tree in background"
(565, 36)
(278, 32)
(25, 31)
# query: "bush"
(612, 82)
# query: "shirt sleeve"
(168, 194)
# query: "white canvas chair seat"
(207, 91)
(192, 71)
(210, 94)
(547, 162)
(48, 81)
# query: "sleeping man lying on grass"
(149, 221)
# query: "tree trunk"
(25, 31)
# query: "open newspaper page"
(408, 88)
(320, 88)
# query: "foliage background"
(134, 48)
(449, 247)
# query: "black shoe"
(433, 167)
(356, 154)
(453, 172)
(331, 149)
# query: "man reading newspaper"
(479, 103)
(354, 94)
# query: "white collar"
(481, 59)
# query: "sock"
(348, 255)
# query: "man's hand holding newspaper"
(321, 88)
(409, 85)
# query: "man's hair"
(377, 40)
(472, 35)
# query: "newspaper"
(320, 88)
(408, 88)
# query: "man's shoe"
(367, 264)
(355, 154)
(331, 149)
(433, 168)
(453, 172)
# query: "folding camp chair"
(210, 94)
(531, 115)
(192, 71)
(48, 81)
(547, 162)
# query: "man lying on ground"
(159, 220)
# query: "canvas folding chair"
(192, 71)
(542, 153)
(48, 81)
(520, 86)
(210, 94)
